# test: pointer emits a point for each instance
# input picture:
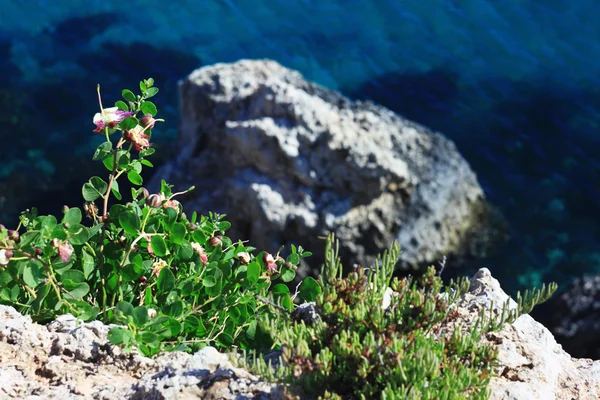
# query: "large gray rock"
(289, 161)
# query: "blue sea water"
(514, 83)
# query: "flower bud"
(9, 254)
(151, 313)
(215, 241)
(155, 200)
(192, 227)
(183, 216)
(4, 258)
(2, 227)
(147, 121)
(37, 251)
(142, 279)
(145, 193)
(13, 235)
(65, 209)
(90, 209)
(244, 257)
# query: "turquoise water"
(513, 83)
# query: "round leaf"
(310, 289)
(130, 222)
(134, 177)
(148, 107)
(166, 280)
(159, 246)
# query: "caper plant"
(168, 281)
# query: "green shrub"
(413, 349)
(171, 282)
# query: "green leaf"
(147, 338)
(225, 340)
(147, 152)
(185, 252)
(85, 311)
(136, 166)
(134, 177)
(166, 280)
(128, 95)
(128, 123)
(94, 189)
(29, 238)
(165, 188)
(140, 316)
(253, 272)
(115, 190)
(48, 225)
(148, 298)
(73, 216)
(33, 274)
(310, 289)
(293, 258)
(178, 231)
(150, 82)
(41, 295)
(79, 290)
(102, 151)
(171, 215)
(132, 272)
(79, 234)
(130, 222)
(199, 237)
(224, 225)
(159, 246)
(280, 289)
(121, 105)
(87, 263)
(89, 193)
(73, 275)
(123, 158)
(287, 274)
(174, 309)
(124, 308)
(119, 336)
(151, 92)
(4, 278)
(143, 87)
(99, 184)
(209, 281)
(148, 107)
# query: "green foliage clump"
(170, 282)
(414, 348)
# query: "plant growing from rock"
(372, 342)
(169, 281)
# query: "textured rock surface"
(65, 361)
(288, 161)
(533, 365)
(573, 317)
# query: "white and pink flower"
(109, 117)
